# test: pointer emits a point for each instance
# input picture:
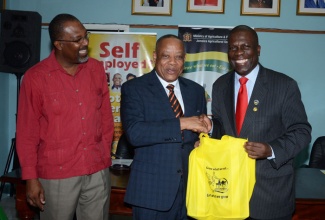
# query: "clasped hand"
(196, 124)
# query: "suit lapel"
(229, 101)
(186, 95)
(159, 91)
(259, 93)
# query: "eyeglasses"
(79, 40)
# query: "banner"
(206, 55)
(124, 57)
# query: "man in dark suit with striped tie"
(163, 139)
(275, 123)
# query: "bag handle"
(203, 135)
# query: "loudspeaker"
(2, 5)
(20, 40)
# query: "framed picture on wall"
(152, 7)
(260, 7)
(206, 6)
(311, 7)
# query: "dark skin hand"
(257, 150)
(196, 124)
(35, 193)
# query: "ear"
(154, 56)
(258, 50)
(58, 45)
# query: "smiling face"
(117, 80)
(243, 51)
(169, 58)
(69, 51)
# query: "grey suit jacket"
(161, 149)
(275, 115)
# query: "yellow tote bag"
(221, 179)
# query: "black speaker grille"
(20, 40)
(17, 54)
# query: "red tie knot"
(243, 80)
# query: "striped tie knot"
(174, 101)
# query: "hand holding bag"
(221, 179)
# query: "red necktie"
(174, 101)
(242, 102)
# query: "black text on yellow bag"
(221, 179)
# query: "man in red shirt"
(65, 128)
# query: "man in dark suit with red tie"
(162, 140)
(274, 122)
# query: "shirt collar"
(165, 84)
(59, 67)
(250, 76)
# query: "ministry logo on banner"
(206, 55)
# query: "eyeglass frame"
(79, 40)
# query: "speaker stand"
(12, 152)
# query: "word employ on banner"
(124, 51)
(124, 56)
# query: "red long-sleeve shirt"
(65, 123)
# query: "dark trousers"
(176, 212)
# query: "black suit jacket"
(218, 130)
(275, 115)
(317, 155)
(161, 149)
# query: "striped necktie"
(174, 101)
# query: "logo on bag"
(216, 184)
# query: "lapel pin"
(256, 102)
(255, 109)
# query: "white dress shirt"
(249, 85)
(177, 90)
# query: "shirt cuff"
(273, 156)
(210, 132)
